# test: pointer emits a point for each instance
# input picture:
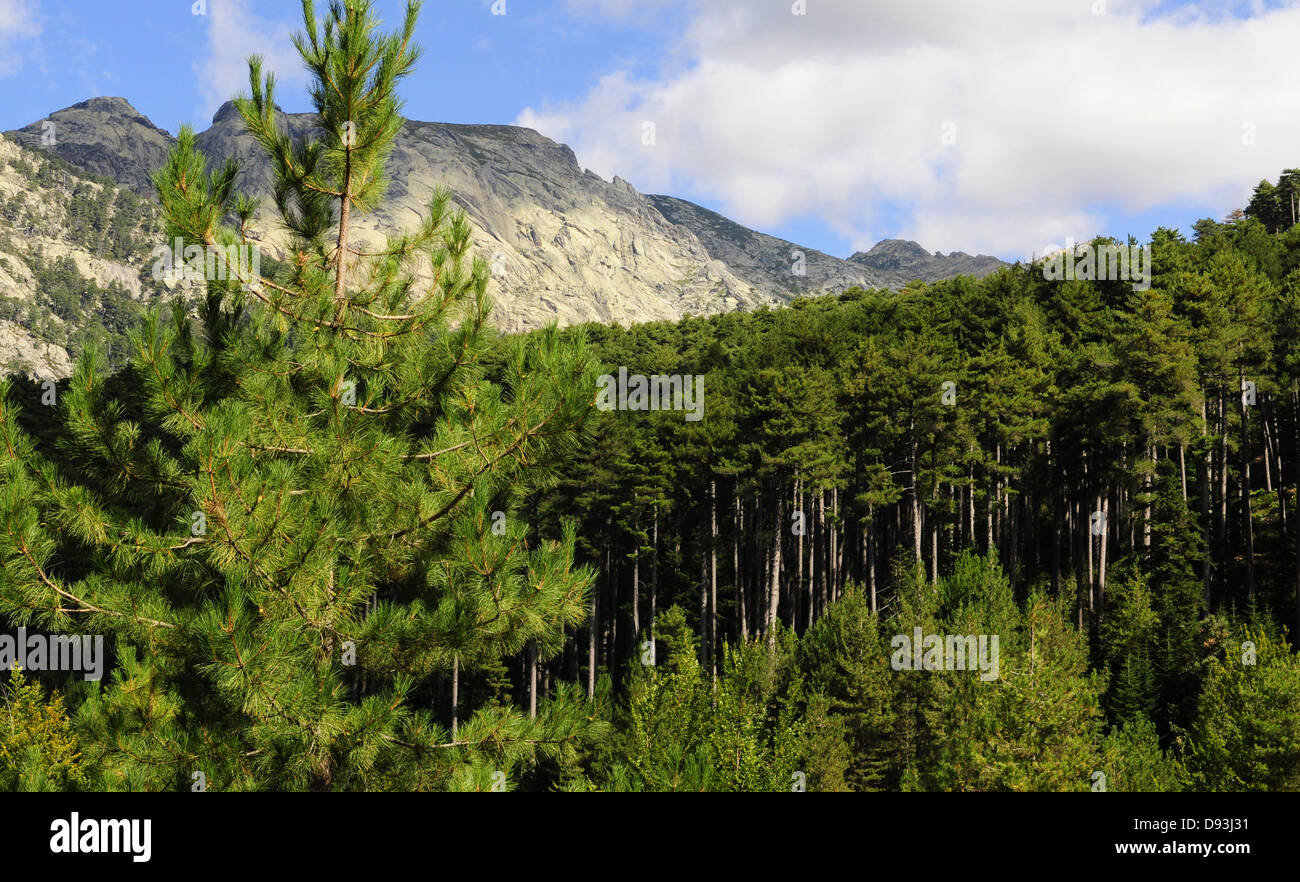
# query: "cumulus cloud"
(235, 31)
(19, 22)
(995, 127)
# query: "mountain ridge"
(564, 244)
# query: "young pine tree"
(304, 517)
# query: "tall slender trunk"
(1101, 558)
(871, 555)
(774, 587)
(814, 572)
(455, 694)
(713, 578)
(636, 586)
(1206, 528)
(934, 536)
(916, 502)
(1295, 468)
(532, 679)
(704, 605)
(654, 583)
(1148, 489)
(593, 628)
(738, 527)
(1222, 537)
(1182, 468)
(835, 564)
(797, 594)
(1268, 443)
(1247, 520)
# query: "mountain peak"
(228, 111)
(902, 260)
(898, 249)
(106, 103)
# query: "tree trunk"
(1247, 521)
(455, 694)
(593, 628)
(798, 592)
(636, 586)
(532, 679)
(871, 555)
(934, 536)
(738, 524)
(835, 567)
(916, 503)
(654, 583)
(1182, 468)
(1206, 528)
(1295, 467)
(1101, 558)
(774, 587)
(713, 578)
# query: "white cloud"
(235, 31)
(18, 22)
(1058, 115)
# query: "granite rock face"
(564, 244)
(103, 136)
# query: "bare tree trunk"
(654, 583)
(970, 500)
(934, 536)
(1149, 489)
(1182, 468)
(1223, 483)
(916, 504)
(988, 540)
(704, 606)
(814, 572)
(455, 694)
(713, 578)
(1295, 467)
(532, 679)
(1268, 444)
(1101, 568)
(796, 595)
(835, 570)
(1092, 573)
(1206, 473)
(738, 523)
(774, 589)
(1247, 520)
(871, 555)
(593, 628)
(636, 588)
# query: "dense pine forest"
(338, 533)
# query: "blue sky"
(994, 127)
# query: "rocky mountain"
(73, 253)
(102, 136)
(564, 244)
(896, 262)
(766, 261)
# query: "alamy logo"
(213, 263)
(57, 652)
(102, 836)
(1113, 262)
(946, 652)
(639, 392)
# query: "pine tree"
(308, 512)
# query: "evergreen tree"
(311, 516)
